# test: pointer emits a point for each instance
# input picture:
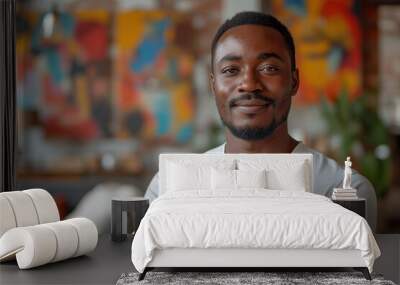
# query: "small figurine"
(347, 174)
(346, 192)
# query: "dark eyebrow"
(230, 57)
(268, 55)
(261, 56)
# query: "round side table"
(126, 215)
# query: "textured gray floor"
(225, 278)
(110, 259)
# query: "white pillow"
(223, 179)
(251, 178)
(293, 180)
(185, 174)
(281, 175)
(236, 179)
(181, 178)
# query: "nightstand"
(357, 205)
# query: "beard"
(255, 133)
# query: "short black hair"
(256, 18)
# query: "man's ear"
(295, 81)
(211, 81)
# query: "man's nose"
(250, 82)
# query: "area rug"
(229, 278)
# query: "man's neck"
(279, 142)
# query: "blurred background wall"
(105, 86)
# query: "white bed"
(248, 227)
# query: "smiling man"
(254, 77)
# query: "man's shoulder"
(319, 159)
(324, 167)
(328, 170)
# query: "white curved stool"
(7, 218)
(40, 244)
(45, 206)
(31, 231)
(26, 208)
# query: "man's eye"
(230, 71)
(269, 69)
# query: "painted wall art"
(98, 75)
(327, 36)
(153, 75)
(64, 73)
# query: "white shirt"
(327, 175)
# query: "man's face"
(253, 81)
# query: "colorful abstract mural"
(64, 75)
(102, 81)
(327, 36)
(81, 90)
(153, 77)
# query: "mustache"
(251, 96)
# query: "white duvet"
(251, 218)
